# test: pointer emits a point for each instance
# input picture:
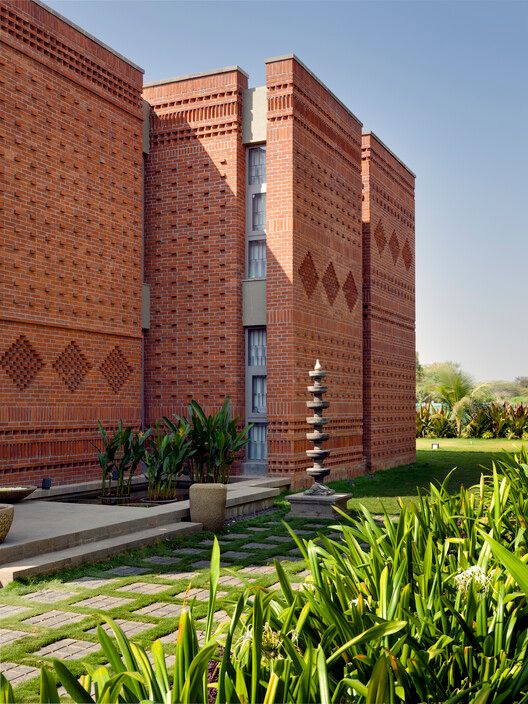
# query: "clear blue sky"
(443, 84)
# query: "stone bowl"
(6, 518)
(14, 494)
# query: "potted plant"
(119, 459)
(165, 459)
(216, 441)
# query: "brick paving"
(89, 583)
(129, 602)
(126, 571)
(102, 602)
(9, 610)
(161, 560)
(144, 588)
(7, 636)
(235, 555)
(49, 596)
(129, 628)
(161, 609)
(199, 594)
(55, 619)
(68, 649)
(17, 673)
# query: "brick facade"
(389, 309)
(340, 273)
(314, 276)
(70, 281)
(194, 246)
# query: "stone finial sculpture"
(318, 471)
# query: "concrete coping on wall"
(275, 59)
(373, 134)
(190, 76)
(87, 34)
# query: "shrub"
(417, 609)
(492, 420)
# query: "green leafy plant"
(119, 458)
(216, 440)
(429, 607)
(165, 458)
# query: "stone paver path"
(101, 602)
(125, 571)
(144, 588)
(17, 673)
(161, 609)
(145, 595)
(89, 583)
(9, 610)
(68, 649)
(54, 619)
(49, 596)
(7, 636)
(129, 628)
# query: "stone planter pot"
(6, 519)
(208, 505)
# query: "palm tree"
(458, 392)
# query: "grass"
(25, 650)
(469, 457)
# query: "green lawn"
(468, 456)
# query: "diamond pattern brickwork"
(394, 247)
(379, 236)
(350, 291)
(407, 255)
(21, 362)
(308, 274)
(330, 283)
(389, 393)
(72, 366)
(116, 369)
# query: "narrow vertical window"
(257, 447)
(257, 347)
(257, 259)
(257, 166)
(259, 394)
(258, 212)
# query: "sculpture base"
(316, 506)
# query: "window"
(256, 347)
(256, 393)
(257, 259)
(258, 212)
(259, 394)
(256, 352)
(257, 166)
(257, 446)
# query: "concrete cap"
(373, 134)
(190, 76)
(87, 34)
(274, 60)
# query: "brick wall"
(314, 279)
(195, 240)
(389, 307)
(70, 273)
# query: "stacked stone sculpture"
(319, 501)
(318, 471)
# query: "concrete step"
(47, 563)
(44, 526)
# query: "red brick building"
(213, 240)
